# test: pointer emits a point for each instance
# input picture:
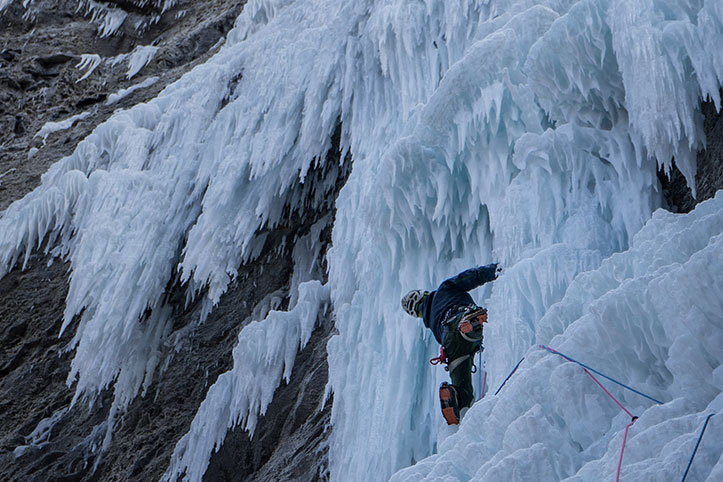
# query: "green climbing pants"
(456, 346)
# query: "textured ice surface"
(89, 62)
(139, 58)
(108, 19)
(525, 132)
(648, 316)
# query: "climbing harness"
(690, 462)
(451, 365)
(471, 319)
(472, 323)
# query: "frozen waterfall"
(524, 132)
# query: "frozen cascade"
(525, 132)
(651, 315)
(265, 352)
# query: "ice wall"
(524, 132)
(538, 149)
(650, 316)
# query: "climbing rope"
(508, 376)
(588, 370)
(610, 395)
(622, 450)
(633, 417)
(690, 462)
(601, 374)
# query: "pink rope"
(627, 427)
(622, 450)
(610, 395)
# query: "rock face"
(40, 82)
(42, 63)
(709, 175)
(45, 57)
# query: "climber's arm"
(472, 278)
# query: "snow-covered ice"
(50, 127)
(648, 316)
(89, 62)
(123, 93)
(139, 58)
(525, 132)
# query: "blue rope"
(690, 462)
(481, 388)
(601, 374)
(508, 376)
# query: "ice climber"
(456, 322)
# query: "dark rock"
(709, 178)
(290, 441)
(678, 196)
(52, 60)
(144, 7)
(709, 173)
(38, 79)
(8, 55)
(91, 100)
(19, 128)
(7, 81)
(294, 428)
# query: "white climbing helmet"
(412, 302)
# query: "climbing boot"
(448, 401)
(471, 325)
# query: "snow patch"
(139, 58)
(51, 127)
(89, 62)
(109, 19)
(123, 93)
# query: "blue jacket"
(453, 294)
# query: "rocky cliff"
(46, 78)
